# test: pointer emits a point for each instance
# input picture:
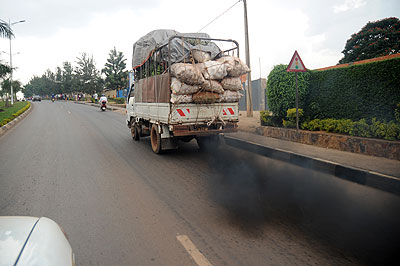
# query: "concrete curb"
(15, 121)
(364, 177)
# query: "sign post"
(296, 65)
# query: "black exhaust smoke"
(358, 220)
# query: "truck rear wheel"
(155, 139)
(135, 132)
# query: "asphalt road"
(121, 204)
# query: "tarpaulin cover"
(143, 48)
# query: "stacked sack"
(207, 81)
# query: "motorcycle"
(103, 106)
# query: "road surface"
(121, 204)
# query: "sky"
(56, 31)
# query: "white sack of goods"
(201, 56)
(181, 88)
(230, 96)
(206, 97)
(175, 99)
(187, 73)
(213, 70)
(234, 66)
(232, 84)
(212, 86)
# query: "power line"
(218, 16)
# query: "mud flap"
(169, 144)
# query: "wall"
(258, 95)
(366, 146)
(110, 93)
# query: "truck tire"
(155, 139)
(135, 132)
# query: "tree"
(114, 70)
(377, 38)
(34, 86)
(68, 79)
(44, 85)
(4, 70)
(6, 88)
(88, 76)
(5, 30)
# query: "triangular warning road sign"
(296, 65)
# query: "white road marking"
(193, 251)
(69, 112)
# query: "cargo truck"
(150, 109)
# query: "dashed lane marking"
(193, 251)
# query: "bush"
(288, 124)
(268, 119)
(397, 113)
(5, 121)
(389, 131)
(355, 92)
(120, 100)
(117, 100)
(361, 128)
(281, 89)
(343, 126)
(392, 131)
(313, 125)
(291, 116)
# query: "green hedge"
(281, 90)
(355, 92)
(117, 100)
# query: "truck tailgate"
(203, 113)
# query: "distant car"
(33, 241)
(36, 98)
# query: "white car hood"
(13, 234)
(47, 246)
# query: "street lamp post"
(11, 68)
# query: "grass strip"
(8, 114)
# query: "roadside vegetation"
(7, 114)
(81, 77)
(356, 99)
(359, 100)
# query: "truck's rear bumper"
(187, 130)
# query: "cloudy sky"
(56, 31)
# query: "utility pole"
(11, 67)
(249, 100)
